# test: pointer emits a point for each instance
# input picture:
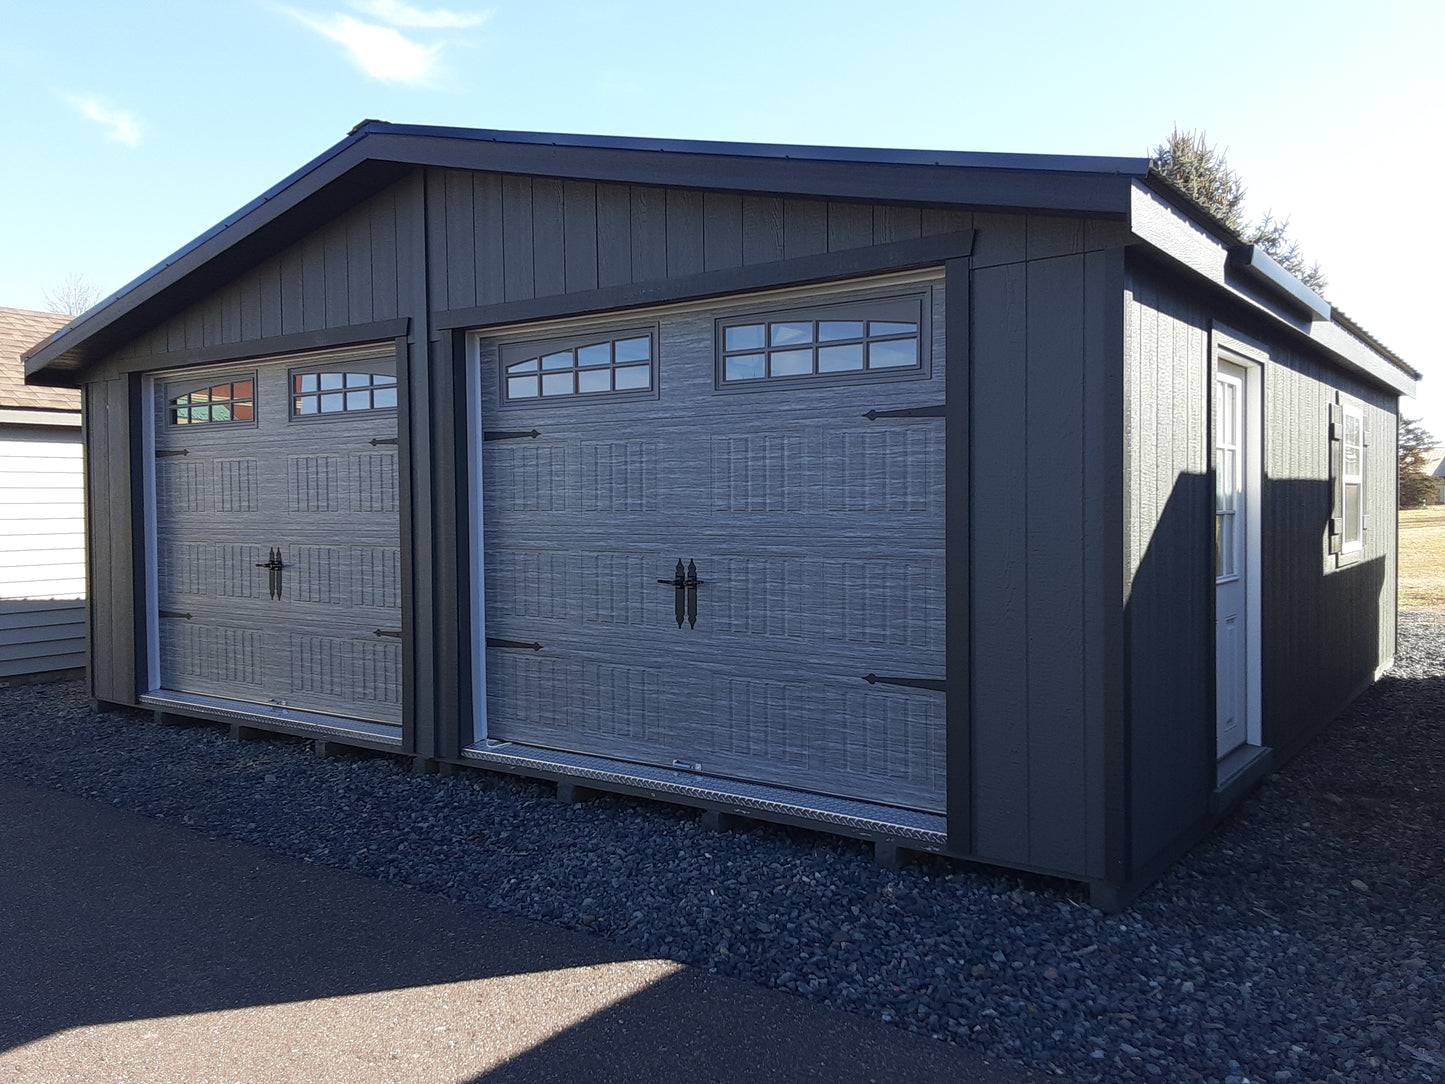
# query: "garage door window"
(856, 340)
(345, 388)
(232, 401)
(341, 393)
(580, 368)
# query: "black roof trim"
(1049, 163)
(1267, 272)
(1373, 343)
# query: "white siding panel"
(42, 552)
(42, 547)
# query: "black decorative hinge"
(493, 641)
(511, 434)
(172, 613)
(273, 576)
(165, 452)
(907, 412)
(910, 683)
(394, 634)
(381, 440)
(685, 583)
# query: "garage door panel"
(575, 702)
(831, 738)
(322, 493)
(817, 533)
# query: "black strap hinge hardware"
(163, 453)
(381, 440)
(395, 634)
(172, 613)
(511, 434)
(907, 412)
(935, 684)
(493, 641)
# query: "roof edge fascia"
(1168, 229)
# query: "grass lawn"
(1422, 559)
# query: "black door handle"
(685, 583)
(273, 576)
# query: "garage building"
(1002, 506)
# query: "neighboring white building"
(42, 513)
(1435, 468)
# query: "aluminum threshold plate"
(866, 817)
(288, 719)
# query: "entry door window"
(1228, 474)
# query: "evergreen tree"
(1416, 487)
(1202, 172)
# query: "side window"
(846, 341)
(1348, 448)
(223, 403)
(581, 367)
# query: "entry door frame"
(1234, 349)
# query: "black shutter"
(1337, 478)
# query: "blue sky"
(126, 130)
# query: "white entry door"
(1231, 558)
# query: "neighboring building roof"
(376, 154)
(21, 329)
(1434, 463)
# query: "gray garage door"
(277, 534)
(784, 452)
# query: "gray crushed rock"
(1304, 940)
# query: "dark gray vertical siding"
(345, 273)
(1054, 546)
(521, 238)
(1047, 428)
(487, 254)
(1328, 626)
(579, 210)
(1001, 663)
(111, 589)
(1169, 563)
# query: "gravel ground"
(1303, 941)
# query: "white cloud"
(124, 127)
(382, 52)
(401, 14)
